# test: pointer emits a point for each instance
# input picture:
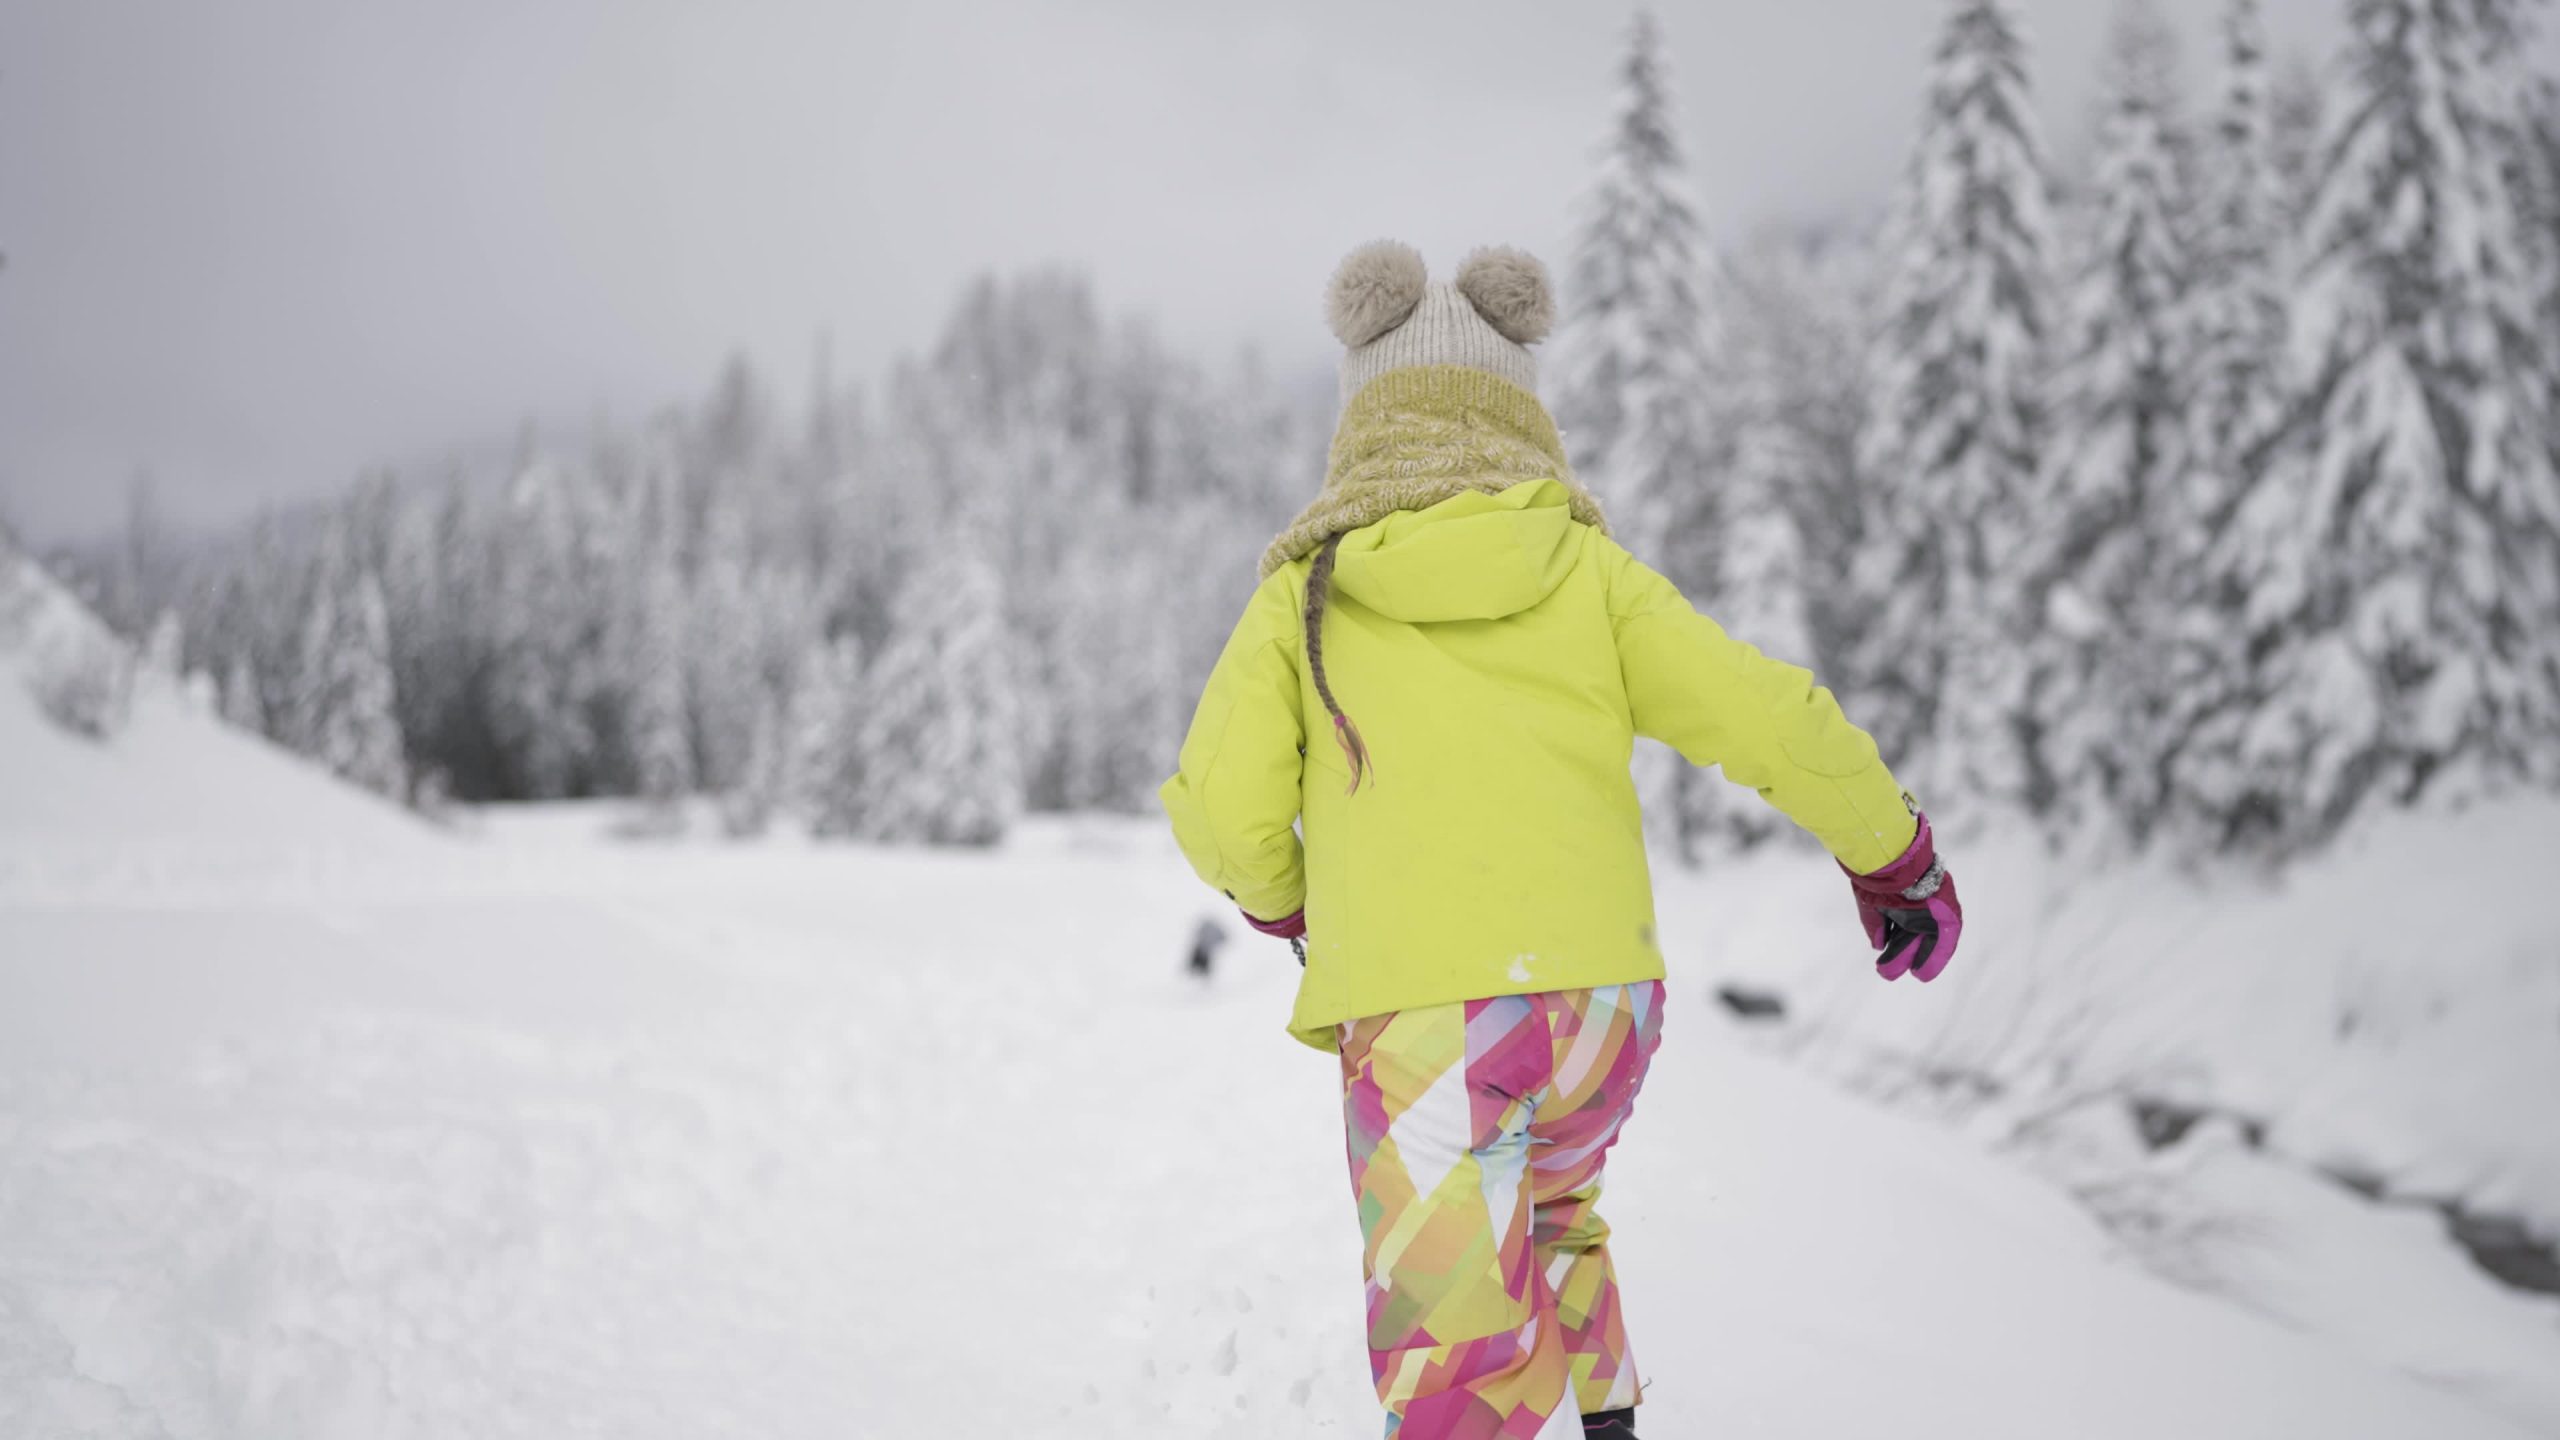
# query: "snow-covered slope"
(35, 611)
(172, 789)
(548, 1136)
(2389, 1012)
(174, 777)
(2385, 1022)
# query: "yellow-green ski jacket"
(1500, 656)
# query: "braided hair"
(1355, 751)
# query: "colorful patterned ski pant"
(1477, 1132)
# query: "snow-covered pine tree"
(783, 626)
(532, 690)
(748, 806)
(1959, 423)
(662, 753)
(942, 755)
(2511, 428)
(2100, 595)
(830, 424)
(2238, 421)
(346, 712)
(304, 713)
(1762, 550)
(1119, 693)
(141, 579)
(2297, 128)
(724, 661)
(1031, 418)
(728, 453)
(271, 598)
(1634, 345)
(824, 774)
(2239, 311)
(240, 703)
(1634, 351)
(375, 756)
(427, 581)
(413, 589)
(164, 650)
(2544, 136)
(2532, 149)
(1790, 337)
(1800, 325)
(2398, 582)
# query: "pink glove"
(1911, 912)
(1292, 928)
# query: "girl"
(1471, 895)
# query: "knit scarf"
(1415, 437)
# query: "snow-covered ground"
(2390, 1011)
(318, 1121)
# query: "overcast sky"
(257, 245)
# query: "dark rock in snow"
(1747, 1004)
(2163, 1123)
(1205, 944)
(2363, 1182)
(2501, 1245)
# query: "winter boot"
(1610, 1425)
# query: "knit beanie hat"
(1388, 314)
(1439, 392)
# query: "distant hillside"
(159, 769)
(35, 609)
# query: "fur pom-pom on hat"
(1374, 291)
(1509, 289)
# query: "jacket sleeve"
(1234, 806)
(1720, 702)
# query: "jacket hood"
(1473, 556)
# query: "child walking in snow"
(1471, 889)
